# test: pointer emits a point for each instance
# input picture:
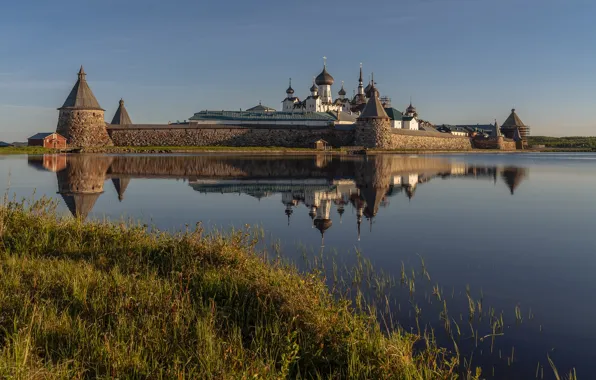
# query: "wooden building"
(48, 140)
(321, 144)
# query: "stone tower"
(373, 127)
(81, 182)
(121, 116)
(81, 119)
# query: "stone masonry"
(237, 137)
(374, 133)
(83, 128)
(81, 119)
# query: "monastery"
(367, 120)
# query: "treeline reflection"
(317, 184)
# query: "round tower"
(81, 119)
(373, 126)
(81, 182)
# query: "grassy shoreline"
(251, 150)
(115, 300)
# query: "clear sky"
(461, 61)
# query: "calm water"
(518, 229)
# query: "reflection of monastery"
(318, 184)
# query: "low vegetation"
(99, 299)
(27, 150)
(572, 143)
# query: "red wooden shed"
(48, 140)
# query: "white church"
(321, 100)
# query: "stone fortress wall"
(81, 122)
(206, 135)
(216, 135)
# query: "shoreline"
(268, 151)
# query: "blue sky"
(462, 61)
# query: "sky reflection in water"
(519, 228)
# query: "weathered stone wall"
(218, 136)
(83, 128)
(421, 140)
(494, 143)
(373, 133)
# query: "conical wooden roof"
(513, 177)
(374, 109)
(80, 204)
(121, 116)
(120, 184)
(513, 121)
(81, 96)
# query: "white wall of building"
(410, 179)
(396, 124)
(411, 124)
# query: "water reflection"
(315, 185)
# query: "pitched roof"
(121, 116)
(81, 96)
(512, 121)
(374, 109)
(260, 108)
(394, 114)
(41, 135)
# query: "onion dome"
(290, 90)
(313, 88)
(411, 109)
(324, 78)
(367, 89)
(342, 92)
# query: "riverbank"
(115, 300)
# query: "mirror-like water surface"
(517, 230)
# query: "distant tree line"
(573, 142)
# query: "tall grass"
(99, 299)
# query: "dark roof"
(260, 108)
(81, 96)
(374, 109)
(80, 204)
(513, 177)
(342, 92)
(41, 135)
(121, 116)
(411, 109)
(367, 89)
(290, 90)
(394, 114)
(513, 121)
(324, 78)
(4, 144)
(120, 184)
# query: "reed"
(99, 299)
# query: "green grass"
(27, 150)
(89, 300)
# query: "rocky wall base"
(83, 128)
